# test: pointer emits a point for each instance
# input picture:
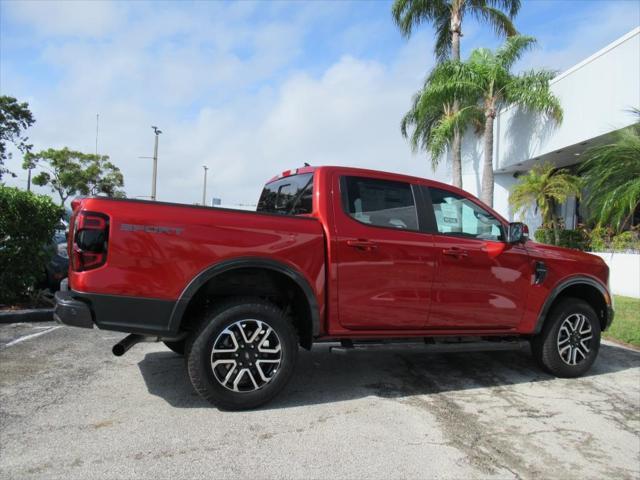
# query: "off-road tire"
(200, 345)
(545, 348)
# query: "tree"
(612, 177)
(487, 77)
(27, 224)
(545, 187)
(446, 17)
(69, 172)
(435, 121)
(15, 118)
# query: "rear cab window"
(291, 195)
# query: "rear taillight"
(90, 241)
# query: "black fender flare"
(563, 285)
(245, 262)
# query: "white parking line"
(27, 337)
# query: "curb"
(30, 315)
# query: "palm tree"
(446, 17)
(612, 177)
(545, 187)
(487, 77)
(435, 120)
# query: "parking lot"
(69, 409)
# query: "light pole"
(204, 188)
(157, 131)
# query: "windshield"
(291, 195)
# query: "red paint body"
(406, 285)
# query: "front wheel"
(243, 354)
(570, 339)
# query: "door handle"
(362, 244)
(455, 252)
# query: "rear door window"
(291, 195)
(382, 203)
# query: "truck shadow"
(324, 377)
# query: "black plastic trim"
(430, 225)
(244, 262)
(558, 289)
(149, 316)
(72, 312)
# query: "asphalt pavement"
(70, 409)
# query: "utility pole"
(157, 131)
(97, 123)
(204, 189)
(29, 180)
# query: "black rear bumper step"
(72, 312)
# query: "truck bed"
(156, 249)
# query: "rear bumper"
(145, 316)
(71, 311)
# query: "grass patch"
(626, 323)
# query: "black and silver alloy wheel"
(574, 339)
(569, 341)
(242, 354)
(246, 355)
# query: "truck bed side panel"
(156, 249)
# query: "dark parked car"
(56, 269)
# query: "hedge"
(27, 224)
(596, 240)
(577, 239)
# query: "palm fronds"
(612, 178)
(543, 187)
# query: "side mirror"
(517, 232)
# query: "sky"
(249, 89)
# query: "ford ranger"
(332, 254)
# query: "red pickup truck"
(332, 254)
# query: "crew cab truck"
(331, 254)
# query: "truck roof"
(356, 170)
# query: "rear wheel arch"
(251, 276)
(584, 288)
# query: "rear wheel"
(570, 339)
(243, 354)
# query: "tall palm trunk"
(487, 168)
(456, 144)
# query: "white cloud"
(200, 90)
(70, 18)
(227, 91)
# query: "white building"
(596, 95)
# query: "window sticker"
(450, 215)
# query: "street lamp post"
(157, 131)
(204, 188)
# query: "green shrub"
(599, 240)
(544, 235)
(625, 241)
(567, 238)
(27, 224)
(574, 239)
(603, 239)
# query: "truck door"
(385, 263)
(481, 282)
